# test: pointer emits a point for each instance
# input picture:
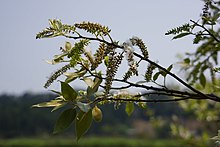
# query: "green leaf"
(58, 107)
(74, 75)
(83, 123)
(57, 92)
(216, 17)
(71, 76)
(141, 82)
(68, 92)
(156, 75)
(65, 120)
(202, 79)
(88, 81)
(58, 58)
(94, 87)
(215, 58)
(163, 73)
(129, 108)
(89, 91)
(97, 82)
(181, 35)
(83, 106)
(170, 67)
(52, 103)
(197, 39)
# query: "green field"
(93, 141)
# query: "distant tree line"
(17, 118)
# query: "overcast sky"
(22, 57)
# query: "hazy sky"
(22, 57)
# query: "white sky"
(22, 66)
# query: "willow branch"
(130, 84)
(172, 75)
(166, 94)
(118, 88)
(92, 38)
(202, 95)
(159, 91)
(202, 26)
(143, 100)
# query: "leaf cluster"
(56, 29)
(80, 111)
(205, 58)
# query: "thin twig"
(202, 26)
(143, 100)
(172, 75)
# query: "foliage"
(202, 65)
(111, 54)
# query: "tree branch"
(143, 100)
(172, 75)
(202, 26)
(202, 95)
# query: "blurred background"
(24, 70)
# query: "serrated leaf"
(83, 106)
(181, 35)
(129, 108)
(68, 92)
(202, 79)
(65, 120)
(156, 75)
(83, 123)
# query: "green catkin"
(56, 74)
